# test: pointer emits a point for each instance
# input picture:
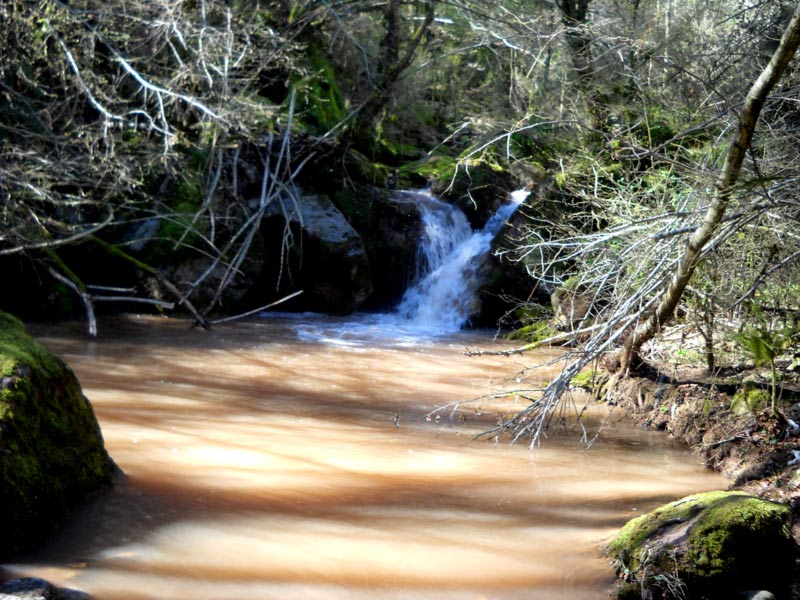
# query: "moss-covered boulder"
(709, 545)
(51, 448)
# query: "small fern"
(765, 345)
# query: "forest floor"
(725, 417)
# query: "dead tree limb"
(724, 189)
(181, 298)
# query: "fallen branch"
(159, 303)
(85, 297)
(725, 441)
(569, 336)
(115, 251)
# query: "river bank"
(754, 447)
(736, 423)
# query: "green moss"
(749, 398)
(630, 541)
(374, 172)
(320, 96)
(436, 168)
(585, 379)
(18, 347)
(535, 332)
(51, 449)
(717, 535)
(706, 540)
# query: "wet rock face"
(310, 246)
(392, 234)
(31, 588)
(710, 545)
(51, 449)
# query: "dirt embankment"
(726, 418)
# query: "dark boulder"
(392, 232)
(310, 246)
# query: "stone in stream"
(710, 545)
(51, 449)
(309, 245)
(31, 588)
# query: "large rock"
(711, 545)
(31, 588)
(310, 246)
(51, 449)
(392, 234)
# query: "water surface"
(287, 459)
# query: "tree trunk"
(724, 188)
(392, 65)
(574, 15)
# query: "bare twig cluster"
(104, 106)
(642, 215)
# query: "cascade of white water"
(446, 294)
(444, 228)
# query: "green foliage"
(766, 344)
(654, 126)
(763, 344)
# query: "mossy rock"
(369, 171)
(440, 168)
(715, 543)
(586, 379)
(750, 398)
(534, 333)
(51, 449)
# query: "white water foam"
(443, 300)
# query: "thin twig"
(256, 310)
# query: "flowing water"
(444, 295)
(280, 459)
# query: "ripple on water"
(266, 459)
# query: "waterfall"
(445, 293)
(444, 227)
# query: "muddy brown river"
(297, 459)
